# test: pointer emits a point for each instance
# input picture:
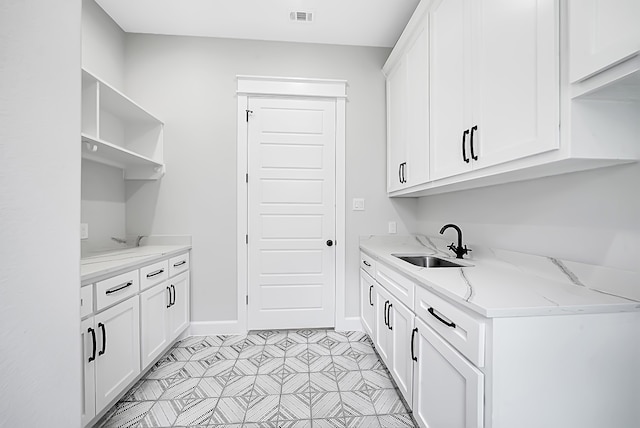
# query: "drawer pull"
(158, 272)
(180, 263)
(93, 340)
(442, 320)
(104, 338)
(413, 336)
(389, 316)
(370, 290)
(366, 263)
(119, 287)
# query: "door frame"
(289, 87)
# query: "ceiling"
(342, 22)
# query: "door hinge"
(248, 112)
(246, 238)
(247, 299)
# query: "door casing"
(256, 86)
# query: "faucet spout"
(459, 250)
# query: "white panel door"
(89, 353)
(154, 312)
(179, 309)
(367, 305)
(448, 391)
(401, 321)
(382, 332)
(291, 217)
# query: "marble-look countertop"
(96, 267)
(500, 283)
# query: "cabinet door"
(89, 352)
(448, 391)
(367, 306)
(179, 310)
(154, 322)
(118, 359)
(382, 332)
(449, 97)
(417, 149)
(601, 34)
(396, 126)
(401, 321)
(515, 107)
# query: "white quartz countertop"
(500, 283)
(95, 267)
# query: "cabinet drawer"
(402, 288)
(178, 264)
(86, 300)
(116, 289)
(463, 331)
(368, 264)
(153, 274)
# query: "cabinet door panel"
(448, 390)
(179, 310)
(120, 362)
(602, 33)
(514, 79)
(154, 319)
(449, 87)
(88, 371)
(367, 305)
(401, 320)
(382, 333)
(396, 126)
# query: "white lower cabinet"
(382, 333)
(154, 322)
(367, 306)
(448, 391)
(401, 321)
(111, 354)
(178, 305)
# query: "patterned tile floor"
(266, 379)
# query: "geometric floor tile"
(309, 378)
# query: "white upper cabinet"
(408, 113)
(118, 132)
(602, 34)
(494, 98)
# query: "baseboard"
(212, 328)
(349, 324)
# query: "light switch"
(84, 230)
(392, 227)
(358, 204)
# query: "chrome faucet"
(458, 250)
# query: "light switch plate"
(84, 230)
(358, 204)
(393, 227)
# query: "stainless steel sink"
(427, 261)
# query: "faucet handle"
(452, 247)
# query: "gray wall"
(40, 213)
(590, 217)
(190, 83)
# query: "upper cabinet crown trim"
(261, 85)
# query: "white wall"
(190, 83)
(589, 217)
(102, 45)
(40, 213)
(102, 206)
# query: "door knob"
(329, 243)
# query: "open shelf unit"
(118, 132)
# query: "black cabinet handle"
(118, 288)
(366, 263)
(370, 290)
(173, 302)
(329, 243)
(464, 144)
(413, 336)
(169, 291)
(152, 274)
(400, 173)
(104, 338)
(93, 340)
(443, 321)
(473, 130)
(385, 313)
(180, 263)
(389, 316)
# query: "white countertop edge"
(120, 261)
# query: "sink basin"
(428, 261)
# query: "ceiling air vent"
(301, 16)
